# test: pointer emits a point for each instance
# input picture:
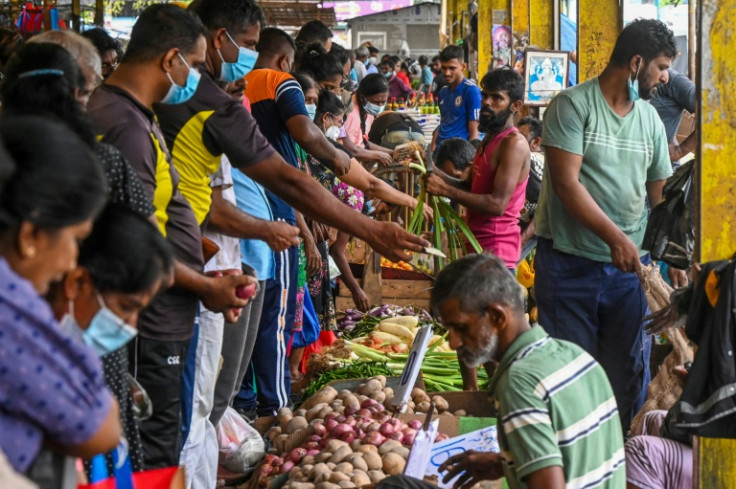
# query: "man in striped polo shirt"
(559, 425)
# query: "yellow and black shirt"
(199, 131)
(120, 120)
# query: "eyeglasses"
(110, 66)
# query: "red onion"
(368, 403)
(286, 467)
(330, 424)
(341, 429)
(415, 424)
(398, 436)
(312, 453)
(364, 413)
(386, 429)
(377, 408)
(331, 416)
(319, 430)
(351, 421)
(409, 435)
(269, 458)
(312, 445)
(340, 418)
(374, 438)
(316, 438)
(277, 462)
(441, 437)
(348, 438)
(297, 454)
(245, 291)
(350, 410)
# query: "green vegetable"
(355, 370)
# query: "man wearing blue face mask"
(166, 44)
(606, 153)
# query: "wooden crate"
(399, 292)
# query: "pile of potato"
(349, 439)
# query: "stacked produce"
(346, 440)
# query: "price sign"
(402, 394)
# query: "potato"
(357, 461)
(360, 478)
(372, 460)
(336, 477)
(441, 403)
(388, 391)
(389, 446)
(324, 412)
(301, 485)
(356, 444)
(317, 470)
(367, 448)
(376, 476)
(300, 412)
(351, 401)
(341, 454)
(344, 467)
(336, 404)
(346, 484)
(422, 407)
(403, 452)
(313, 413)
(327, 485)
(331, 465)
(308, 461)
(418, 395)
(325, 395)
(361, 398)
(334, 445)
(393, 463)
(306, 468)
(460, 412)
(273, 432)
(381, 379)
(296, 423)
(284, 416)
(370, 387)
(378, 396)
(322, 457)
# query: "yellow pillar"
(715, 461)
(542, 24)
(455, 24)
(520, 20)
(443, 34)
(485, 42)
(599, 23)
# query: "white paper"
(421, 451)
(411, 370)
(483, 440)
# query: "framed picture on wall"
(545, 75)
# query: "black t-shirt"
(124, 123)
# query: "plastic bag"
(670, 234)
(241, 446)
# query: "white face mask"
(311, 110)
(333, 133)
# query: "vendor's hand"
(381, 157)
(219, 294)
(473, 467)
(314, 259)
(390, 240)
(282, 236)
(428, 212)
(625, 256)
(677, 277)
(361, 300)
(435, 185)
(681, 372)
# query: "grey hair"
(82, 50)
(477, 281)
(362, 51)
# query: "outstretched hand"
(472, 467)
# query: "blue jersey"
(457, 108)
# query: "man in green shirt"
(606, 154)
(558, 422)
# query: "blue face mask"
(232, 72)
(633, 86)
(373, 109)
(178, 94)
(369, 207)
(311, 110)
(107, 332)
(389, 74)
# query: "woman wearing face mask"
(53, 388)
(123, 263)
(351, 189)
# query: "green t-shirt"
(556, 408)
(620, 155)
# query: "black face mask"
(490, 122)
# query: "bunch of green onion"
(445, 220)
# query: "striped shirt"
(557, 409)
